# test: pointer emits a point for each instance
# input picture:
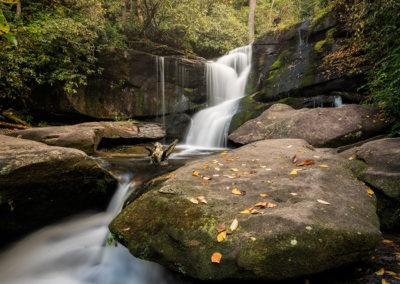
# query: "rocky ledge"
(40, 184)
(87, 136)
(269, 210)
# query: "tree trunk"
(252, 10)
(123, 12)
(159, 154)
(18, 12)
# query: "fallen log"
(159, 154)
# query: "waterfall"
(338, 101)
(160, 76)
(226, 82)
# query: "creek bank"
(377, 163)
(166, 225)
(40, 184)
(321, 127)
(87, 136)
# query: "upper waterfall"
(226, 83)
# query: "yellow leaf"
(229, 160)
(263, 195)
(236, 191)
(234, 225)
(380, 271)
(261, 204)
(195, 173)
(370, 191)
(323, 202)
(221, 236)
(235, 170)
(205, 166)
(223, 153)
(247, 210)
(324, 166)
(216, 257)
(294, 172)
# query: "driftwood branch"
(159, 154)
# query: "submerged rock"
(321, 127)
(40, 184)
(378, 164)
(315, 218)
(87, 136)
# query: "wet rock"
(318, 214)
(321, 127)
(40, 184)
(87, 136)
(378, 164)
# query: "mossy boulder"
(40, 184)
(87, 136)
(170, 224)
(377, 163)
(321, 127)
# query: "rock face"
(321, 127)
(130, 86)
(40, 184)
(87, 136)
(378, 164)
(171, 224)
(290, 63)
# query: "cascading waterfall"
(338, 101)
(226, 83)
(160, 76)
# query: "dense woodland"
(55, 42)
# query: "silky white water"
(76, 252)
(226, 83)
(160, 77)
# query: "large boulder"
(40, 184)
(323, 216)
(292, 62)
(377, 163)
(321, 127)
(131, 86)
(87, 136)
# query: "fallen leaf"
(237, 191)
(205, 166)
(384, 281)
(263, 195)
(306, 163)
(234, 225)
(323, 202)
(294, 159)
(195, 173)
(237, 157)
(202, 199)
(271, 205)
(293, 193)
(389, 162)
(235, 170)
(253, 172)
(126, 229)
(215, 161)
(229, 160)
(370, 191)
(171, 175)
(216, 175)
(380, 271)
(207, 178)
(374, 121)
(205, 183)
(217, 169)
(294, 172)
(324, 166)
(221, 236)
(193, 200)
(255, 212)
(388, 242)
(253, 238)
(290, 146)
(261, 204)
(223, 153)
(362, 182)
(216, 257)
(277, 158)
(299, 151)
(268, 169)
(221, 227)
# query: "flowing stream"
(226, 82)
(76, 250)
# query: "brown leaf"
(306, 163)
(221, 227)
(294, 159)
(234, 225)
(221, 236)
(216, 257)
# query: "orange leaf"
(195, 173)
(255, 212)
(370, 191)
(306, 163)
(221, 227)
(223, 153)
(221, 236)
(216, 257)
(253, 172)
(171, 175)
(263, 195)
(205, 183)
(205, 166)
(384, 281)
(237, 157)
(229, 160)
(247, 210)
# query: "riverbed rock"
(130, 87)
(377, 163)
(316, 217)
(321, 127)
(39, 184)
(87, 136)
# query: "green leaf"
(4, 26)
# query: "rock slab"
(87, 136)
(316, 218)
(321, 127)
(40, 184)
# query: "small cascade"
(338, 101)
(303, 33)
(160, 76)
(226, 82)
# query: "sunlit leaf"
(171, 175)
(229, 160)
(323, 202)
(255, 212)
(223, 153)
(294, 172)
(380, 271)
(271, 205)
(370, 191)
(261, 204)
(221, 236)
(247, 210)
(216, 257)
(205, 183)
(234, 225)
(235, 170)
(263, 195)
(306, 163)
(195, 173)
(236, 191)
(323, 166)
(205, 166)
